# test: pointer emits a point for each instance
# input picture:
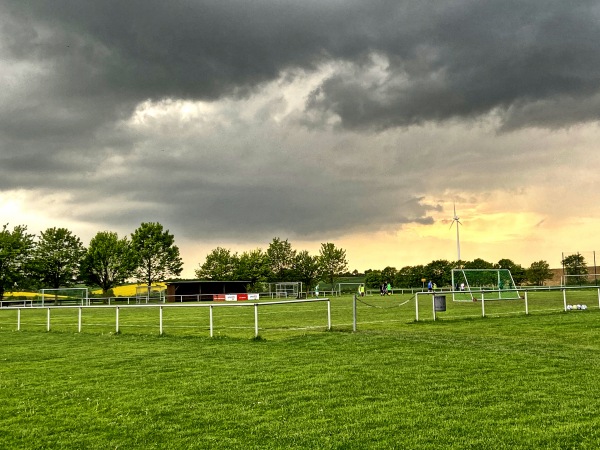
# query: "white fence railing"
(161, 307)
(482, 293)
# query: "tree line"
(278, 263)
(57, 258)
(440, 272)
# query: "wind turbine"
(457, 220)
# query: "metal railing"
(161, 307)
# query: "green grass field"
(508, 380)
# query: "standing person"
(382, 289)
(317, 290)
(361, 290)
(429, 286)
(389, 288)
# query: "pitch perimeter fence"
(118, 309)
(549, 298)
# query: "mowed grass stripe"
(511, 382)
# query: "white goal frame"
(493, 292)
(143, 296)
(85, 299)
(589, 278)
(288, 289)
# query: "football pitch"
(508, 380)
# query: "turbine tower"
(457, 220)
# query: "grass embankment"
(506, 382)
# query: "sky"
(232, 122)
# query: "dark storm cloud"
(75, 72)
(453, 59)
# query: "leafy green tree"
(154, 254)
(539, 272)
(253, 266)
(576, 267)
(373, 279)
(281, 259)
(388, 275)
(410, 276)
(439, 272)
(107, 262)
(478, 263)
(516, 270)
(15, 249)
(332, 261)
(306, 268)
(220, 264)
(57, 257)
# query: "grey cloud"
(75, 70)
(456, 59)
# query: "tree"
(373, 278)
(306, 268)
(439, 272)
(57, 257)
(516, 270)
(15, 250)
(576, 268)
(220, 264)
(154, 253)
(252, 266)
(107, 262)
(410, 276)
(281, 258)
(478, 263)
(539, 272)
(388, 275)
(332, 261)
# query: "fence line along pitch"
(162, 306)
(482, 300)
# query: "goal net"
(156, 294)
(591, 279)
(64, 296)
(494, 284)
(290, 289)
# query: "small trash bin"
(439, 302)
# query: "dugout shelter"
(193, 291)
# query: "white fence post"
(161, 321)
(526, 304)
(482, 304)
(211, 320)
(19, 319)
(417, 307)
(328, 314)
(256, 320)
(79, 321)
(48, 321)
(117, 320)
(354, 313)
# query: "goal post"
(589, 279)
(156, 293)
(495, 284)
(79, 296)
(288, 289)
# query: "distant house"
(192, 291)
